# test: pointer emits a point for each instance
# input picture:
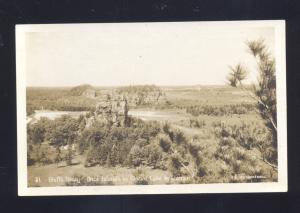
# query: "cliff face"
(113, 109)
(142, 95)
(151, 98)
(110, 111)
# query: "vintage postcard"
(151, 108)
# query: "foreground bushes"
(244, 151)
(250, 136)
(240, 149)
(126, 146)
(145, 144)
(150, 144)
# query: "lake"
(142, 114)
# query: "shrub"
(149, 130)
(89, 161)
(141, 142)
(164, 142)
(175, 165)
(226, 131)
(248, 136)
(196, 123)
(225, 169)
(140, 177)
(136, 156)
(58, 157)
(69, 155)
(113, 156)
(36, 133)
(241, 148)
(178, 137)
(195, 148)
(97, 154)
(202, 170)
(44, 159)
(154, 155)
(166, 128)
(228, 141)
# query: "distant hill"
(83, 90)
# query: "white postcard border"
(280, 186)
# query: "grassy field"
(212, 95)
(202, 127)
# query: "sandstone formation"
(142, 95)
(110, 111)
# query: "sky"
(144, 53)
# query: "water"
(148, 115)
(142, 114)
(52, 115)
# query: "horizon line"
(160, 85)
(125, 85)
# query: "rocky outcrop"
(110, 111)
(113, 109)
(142, 95)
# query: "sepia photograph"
(151, 108)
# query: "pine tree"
(264, 91)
